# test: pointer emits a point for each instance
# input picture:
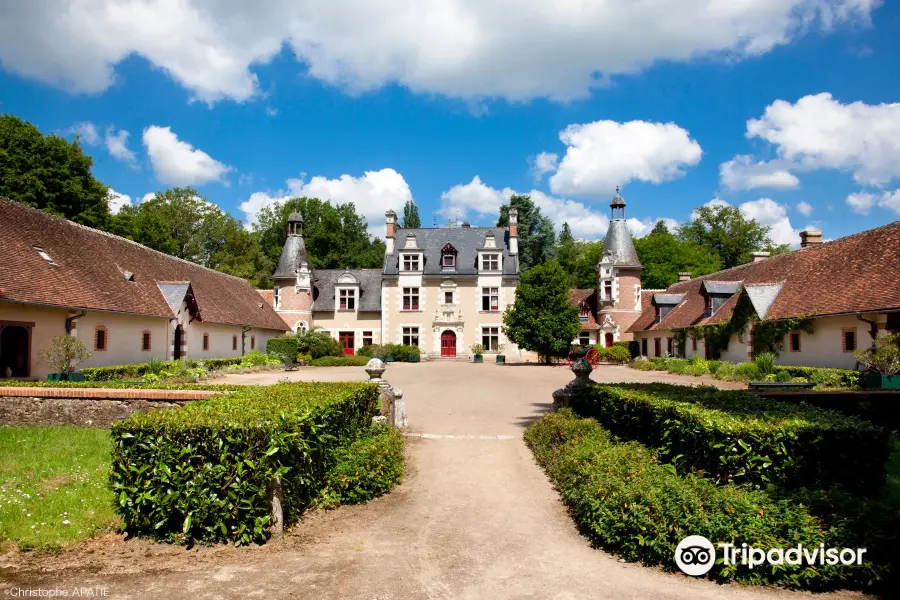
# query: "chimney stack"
(513, 231)
(684, 276)
(391, 230)
(758, 256)
(810, 237)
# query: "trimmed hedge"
(739, 437)
(340, 361)
(614, 354)
(823, 376)
(123, 385)
(630, 504)
(365, 469)
(138, 370)
(283, 346)
(202, 472)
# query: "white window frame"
(410, 335)
(411, 293)
(346, 299)
(490, 293)
(491, 261)
(490, 333)
(412, 262)
(584, 338)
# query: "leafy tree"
(664, 256)
(50, 173)
(567, 249)
(584, 272)
(542, 318)
(726, 232)
(537, 237)
(411, 215)
(63, 353)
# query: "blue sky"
(787, 108)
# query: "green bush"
(698, 369)
(123, 385)
(403, 353)
(318, 343)
(255, 358)
(366, 350)
(340, 361)
(283, 346)
(823, 376)
(615, 353)
(714, 365)
(642, 364)
(725, 370)
(747, 370)
(765, 363)
(216, 364)
(630, 504)
(734, 436)
(157, 367)
(365, 469)
(783, 377)
(202, 472)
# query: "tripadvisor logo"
(695, 555)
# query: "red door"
(609, 340)
(448, 344)
(346, 338)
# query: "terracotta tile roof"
(590, 296)
(88, 268)
(852, 274)
(268, 296)
(648, 311)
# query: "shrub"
(747, 370)
(765, 363)
(64, 353)
(725, 370)
(404, 353)
(714, 365)
(630, 504)
(255, 358)
(884, 355)
(283, 346)
(698, 369)
(614, 354)
(824, 376)
(365, 469)
(340, 361)
(740, 437)
(477, 349)
(203, 472)
(318, 343)
(366, 350)
(216, 364)
(783, 377)
(642, 364)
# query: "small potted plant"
(882, 362)
(477, 353)
(501, 358)
(63, 354)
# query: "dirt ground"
(474, 518)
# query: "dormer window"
(43, 254)
(448, 257)
(411, 262)
(347, 299)
(584, 311)
(490, 262)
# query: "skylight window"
(44, 255)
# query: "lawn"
(53, 486)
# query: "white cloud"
(741, 173)
(148, 196)
(86, 130)
(459, 48)
(765, 211)
(543, 163)
(476, 197)
(604, 154)
(818, 132)
(245, 179)
(177, 162)
(862, 202)
(640, 228)
(804, 208)
(890, 200)
(117, 145)
(116, 201)
(372, 195)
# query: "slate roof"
(466, 241)
(619, 246)
(369, 299)
(292, 254)
(853, 274)
(88, 266)
(174, 293)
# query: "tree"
(664, 256)
(537, 237)
(567, 249)
(543, 318)
(726, 232)
(584, 272)
(50, 173)
(411, 215)
(63, 353)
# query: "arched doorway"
(609, 340)
(448, 344)
(14, 350)
(179, 334)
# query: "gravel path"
(475, 517)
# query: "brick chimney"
(810, 237)
(758, 256)
(684, 276)
(391, 230)
(513, 231)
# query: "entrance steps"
(457, 358)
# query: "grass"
(53, 486)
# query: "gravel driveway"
(475, 517)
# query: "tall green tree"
(50, 173)
(542, 318)
(584, 272)
(567, 249)
(725, 232)
(537, 237)
(664, 256)
(411, 215)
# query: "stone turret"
(618, 278)
(293, 290)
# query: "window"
(490, 299)
(411, 262)
(490, 338)
(584, 338)
(367, 338)
(410, 336)
(411, 298)
(849, 338)
(145, 341)
(275, 298)
(205, 342)
(644, 347)
(347, 299)
(234, 342)
(43, 254)
(694, 344)
(448, 297)
(657, 347)
(607, 290)
(795, 342)
(490, 262)
(100, 338)
(448, 257)
(252, 342)
(669, 347)
(584, 311)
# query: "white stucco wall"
(48, 323)
(824, 347)
(124, 335)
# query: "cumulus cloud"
(543, 163)
(742, 173)
(116, 200)
(640, 228)
(768, 212)
(458, 48)
(804, 208)
(603, 154)
(862, 202)
(117, 145)
(176, 162)
(85, 130)
(372, 194)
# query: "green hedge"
(400, 352)
(737, 436)
(340, 361)
(138, 370)
(823, 376)
(615, 353)
(123, 385)
(202, 472)
(365, 469)
(283, 346)
(630, 504)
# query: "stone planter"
(387, 358)
(79, 376)
(501, 359)
(478, 358)
(413, 358)
(877, 381)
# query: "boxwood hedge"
(735, 436)
(283, 346)
(203, 472)
(364, 469)
(629, 503)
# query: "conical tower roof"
(618, 246)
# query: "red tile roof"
(854, 274)
(89, 267)
(590, 297)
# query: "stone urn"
(7, 372)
